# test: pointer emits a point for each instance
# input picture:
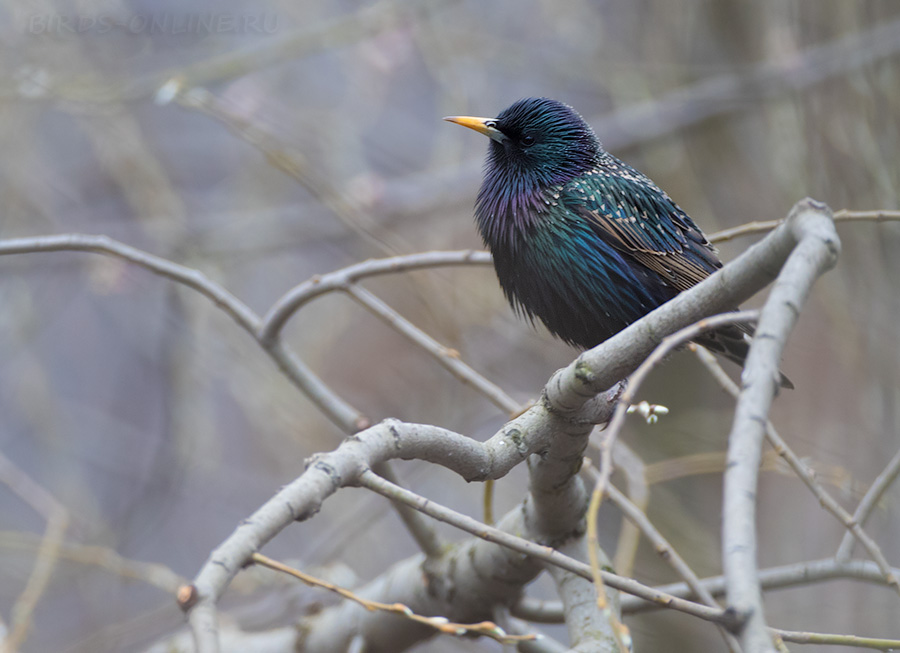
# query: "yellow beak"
(481, 125)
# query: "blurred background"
(264, 143)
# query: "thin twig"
(879, 486)
(668, 344)
(377, 484)
(57, 518)
(338, 410)
(615, 426)
(543, 645)
(294, 299)
(441, 624)
(844, 215)
(662, 547)
(628, 463)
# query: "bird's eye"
(527, 140)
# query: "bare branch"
(772, 578)
(817, 251)
(879, 486)
(441, 624)
(665, 550)
(293, 300)
(634, 382)
(537, 551)
(844, 215)
(338, 410)
(57, 518)
(224, 300)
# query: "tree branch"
(294, 299)
(868, 503)
(850, 522)
(811, 226)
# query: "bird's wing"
(633, 215)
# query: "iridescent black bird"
(581, 240)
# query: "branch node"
(186, 597)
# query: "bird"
(580, 240)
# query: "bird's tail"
(733, 343)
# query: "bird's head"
(538, 140)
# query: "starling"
(581, 240)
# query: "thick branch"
(589, 629)
(810, 224)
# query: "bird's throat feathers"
(508, 203)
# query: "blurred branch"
(844, 215)
(817, 250)
(447, 358)
(713, 462)
(105, 558)
(853, 525)
(57, 517)
(338, 410)
(868, 503)
(722, 94)
(327, 35)
(639, 123)
(837, 640)
(294, 164)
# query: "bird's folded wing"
(639, 220)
